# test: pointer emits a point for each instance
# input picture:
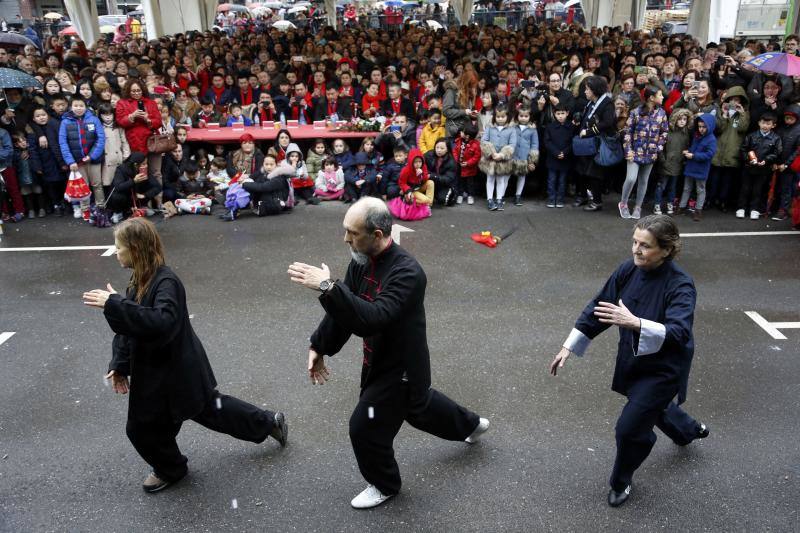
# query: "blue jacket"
(78, 138)
(501, 138)
(702, 150)
(244, 120)
(346, 160)
(557, 139)
(527, 141)
(351, 175)
(6, 149)
(47, 162)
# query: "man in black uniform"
(381, 299)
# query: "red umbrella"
(69, 30)
(223, 8)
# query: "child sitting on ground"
(315, 157)
(219, 178)
(195, 191)
(330, 181)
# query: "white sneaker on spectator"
(369, 498)
(754, 215)
(670, 208)
(657, 210)
(116, 218)
(76, 211)
(470, 200)
(740, 213)
(459, 199)
(483, 427)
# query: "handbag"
(161, 143)
(609, 152)
(584, 146)
(795, 165)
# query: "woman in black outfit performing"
(171, 378)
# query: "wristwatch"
(325, 285)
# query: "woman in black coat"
(132, 183)
(597, 119)
(171, 378)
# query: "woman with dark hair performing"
(171, 378)
(652, 301)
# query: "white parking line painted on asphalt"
(772, 328)
(4, 336)
(397, 229)
(741, 234)
(109, 249)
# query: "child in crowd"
(526, 154)
(82, 142)
(498, 144)
(417, 191)
(342, 154)
(116, 149)
(206, 115)
(558, 136)
(236, 197)
(315, 157)
(10, 198)
(330, 180)
(360, 179)
(236, 117)
(698, 164)
(195, 191)
(218, 176)
(467, 154)
(760, 150)
(302, 184)
(201, 157)
(47, 163)
(375, 157)
(671, 160)
(388, 186)
(733, 121)
(29, 182)
(432, 132)
(790, 141)
(442, 172)
(270, 188)
(486, 114)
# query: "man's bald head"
(372, 215)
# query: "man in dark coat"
(332, 106)
(396, 104)
(171, 378)
(382, 300)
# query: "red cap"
(246, 137)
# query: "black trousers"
(751, 194)
(155, 441)
(356, 193)
(376, 421)
(636, 438)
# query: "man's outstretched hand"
(317, 370)
(308, 276)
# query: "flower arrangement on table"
(362, 124)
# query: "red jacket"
(408, 176)
(471, 156)
(138, 131)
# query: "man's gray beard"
(359, 258)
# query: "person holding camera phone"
(545, 98)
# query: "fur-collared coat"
(502, 140)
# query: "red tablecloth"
(231, 135)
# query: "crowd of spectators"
(456, 106)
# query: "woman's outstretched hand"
(98, 297)
(617, 315)
(559, 361)
(118, 383)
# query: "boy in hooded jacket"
(698, 163)
(360, 180)
(733, 121)
(82, 140)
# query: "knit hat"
(247, 138)
(137, 158)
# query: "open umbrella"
(15, 39)
(788, 64)
(434, 25)
(298, 9)
(53, 16)
(284, 25)
(572, 3)
(69, 30)
(272, 5)
(16, 79)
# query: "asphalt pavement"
(496, 318)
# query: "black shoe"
(579, 202)
(501, 205)
(280, 431)
(591, 206)
(230, 216)
(59, 211)
(703, 432)
(153, 483)
(518, 200)
(615, 499)
(313, 201)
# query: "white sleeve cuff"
(577, 342)
(651, 337)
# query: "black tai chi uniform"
(170, 377)
(383, 302)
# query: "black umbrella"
(16, 79)
(15, 39)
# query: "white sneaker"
(116, 218)
(76, 212)
(369, 498)
(670, 208)
(483, 427)
(470, 200)
(740, 213)
(754, 215)
(657, 209)
(459, 199)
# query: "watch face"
(325, 285)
